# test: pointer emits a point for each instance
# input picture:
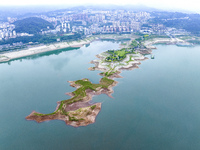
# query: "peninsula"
(79, 110)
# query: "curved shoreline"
(114, 68)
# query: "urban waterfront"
(154, 107)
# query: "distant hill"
(175, 20)
(32, 25)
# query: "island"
(79, 109)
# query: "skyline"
(165, 5)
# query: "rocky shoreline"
(129, 63)
(81, 112)
(89, 119)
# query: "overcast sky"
(192, 5)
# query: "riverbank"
(7, 56)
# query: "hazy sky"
(192, 5)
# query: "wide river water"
(155, 107)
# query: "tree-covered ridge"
(189, 22)
(32, 25)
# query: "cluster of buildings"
(97, 22)
(7, 30)
(91, 22)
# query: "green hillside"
(32, 25)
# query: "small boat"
(152, 56)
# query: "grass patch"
(134, 44)
(44, 114)
(93, 107)
(130, 59)
(108, 73)
(118, 55)
(73, 119)
(79, 94)
(105, 82)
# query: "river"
(155, 107)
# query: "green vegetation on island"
(80, 94)
(119, 55)
(77, 111)
(108, 73)
(93, 107)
